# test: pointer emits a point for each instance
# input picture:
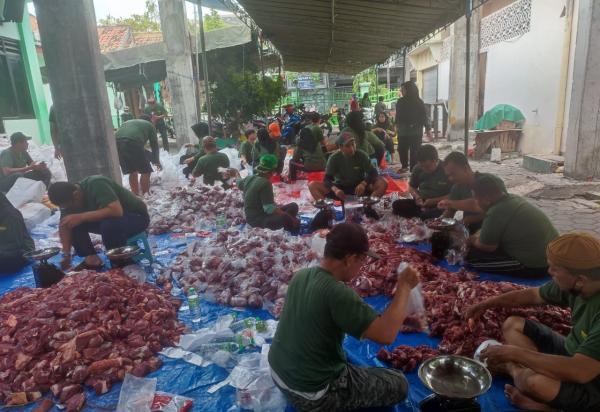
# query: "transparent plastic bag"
(136, 394)
(416, 316)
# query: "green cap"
(267, 163)
(18, 137)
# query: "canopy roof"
(347, 36)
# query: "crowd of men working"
(510, 236)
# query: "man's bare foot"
(517, 398)
(93, 260)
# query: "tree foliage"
(149, 21)
(240, 95)
(368, 76)
(213, 21)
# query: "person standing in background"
(158, 113)
(411, 117)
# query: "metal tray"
(123, 253)
(43, 254)
(455, 377)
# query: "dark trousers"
(500, 263)
(281, 159)
(286, 221)
(161, 127)
(114, 231)
(12, 263)
(408, 208)
(6, 182)
(409, 145)
(356, 388)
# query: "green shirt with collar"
(13, 160)
(430, 185)
(208, 166)
(319, 311)
(584, 337)
(317, 132)
(368, 144)
(100, 191)
(464, 191)
(251, 151)
(158, 110)
(259, 200)
(346, 171)
(140, 132)
(520, 229)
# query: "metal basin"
(43, 254)
(123, 253)
(455, 377)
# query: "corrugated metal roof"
(347, 36)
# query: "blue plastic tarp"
(179, 377)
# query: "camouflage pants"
(356, 388)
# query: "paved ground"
(559, 197)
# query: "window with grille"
(15, 98)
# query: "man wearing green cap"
(348, 172)
(552, 372)
(259, 200)
(132, 137)
(15, 162)
(209, 164)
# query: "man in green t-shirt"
(15, 241)
(208, 165)
(306, 357)
(514, 233)
(15, 162)
(259, 200)
(132, 137)
(365, 139)
(349, 172)
(158, 114)
(459, 172)
(99, 205)
(552, 372)
(428, 186)
(308, 155)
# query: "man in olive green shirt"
(132, 137)
(259, 201)
(428, 185)
(552, 372)
(158, 114)
(249, 150)
(208, 165)
(306, 357)
(308, 155)
(15, 162)
(15, 241)
(99, 205)
(514, 234)
(349, 172)
(462, 177)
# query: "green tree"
(213, 21)
(368, 76)
(149, 21)
(239, 95)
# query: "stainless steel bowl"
(123, 253)
(455, 377)
(43, 254)
(445, 223)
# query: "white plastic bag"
(416, 317)
(234, 158)
(34, 214)
(136, 394)
(25, 191)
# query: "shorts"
(132, 157)
(349, 191)
(571, 396)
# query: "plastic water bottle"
(210, 348)
(193, 300)
(221, 221)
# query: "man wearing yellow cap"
(259, 201)
(550, 371)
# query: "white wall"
(444, 80)
(525, 72)
(27, 126)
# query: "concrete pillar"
(582, 157)
(72, 55)
(456, 100)
(180, 73)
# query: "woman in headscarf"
(411, 117)
(308, 155)
(365, 139)
(15, 241)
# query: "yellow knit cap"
(578, 250)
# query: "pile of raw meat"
(447, 295)
(192, 208)
(406, 358)
(88, 329)
(249, 268)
